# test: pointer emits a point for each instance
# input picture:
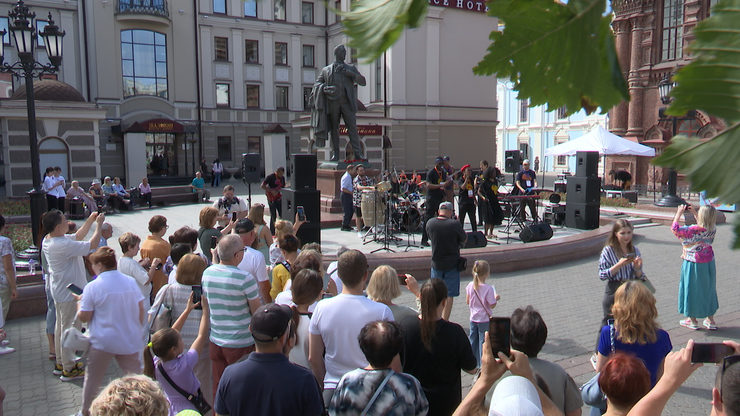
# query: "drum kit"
(387, 214)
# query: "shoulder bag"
(490, 315)
(197, 400)
(162, 318)
(590, 391)
(377, 393)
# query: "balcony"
(143, 10)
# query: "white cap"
(515, 396)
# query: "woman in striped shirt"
(620, 261)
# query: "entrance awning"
(156, 125)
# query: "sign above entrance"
(156, 125)
(363, 130)
(469, 5)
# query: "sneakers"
(58, 369)
(6, 350)
(75, 373)
(687, 323)
(4, 342)
(709, 325)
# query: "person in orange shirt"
(155, 247)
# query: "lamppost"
(670, 199)
(24, 35)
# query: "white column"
(267, 52)
(296, 67)
(206, 45)
(134, 146)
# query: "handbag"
(591, 391)
(162, 318)
(75, 339)
(197, 400)
(462, 264)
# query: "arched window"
(53, 152)
(144, 60)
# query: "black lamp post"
(24, 35)
(670, 199)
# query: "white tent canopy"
(602, 141)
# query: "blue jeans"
(51, 311)
(216, 179)
(476, 337)
(451, 278)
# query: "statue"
(333, 96)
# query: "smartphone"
(402, 279)
(197, 294)
(630, 256)
(159, 267)
(214, 241)
(233, 216)
(712, 352)
(499, 333)
(74, 289)
(301, 213)
(100, 209)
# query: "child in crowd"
(481, 298)
(172, 359)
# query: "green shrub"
(14, 207)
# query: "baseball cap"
(438, 159)
(270, 321)
(96, 181)
(446, 158)
(446, 205)
(515, 396)
(244, 225)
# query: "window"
(40, 25)
(144, 61)
(562, 113)
(250, 8)
(672, 47)
(308, 56)
(219, 6)
(4, 26)
(253, 96)
(561, 160)
(221, 48)
(281, 53)
(307, 13)
(222, 95)
(307, 98)
(224, 148)
(353, 55)
(523, 110)
(279, 9)
(281, 97)
(254, 144)
(337, 6)
(379, 79)
(6, 86)
(252, 51)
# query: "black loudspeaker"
(584, 190)
(582, 216)
(513, 161)
(476, 240)
(251, 167)
(587, 164)
(303, 169)
(309, 199)
(540, 231)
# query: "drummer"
(361, 183)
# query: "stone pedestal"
(328, 182)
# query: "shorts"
(451, 278)
(358, 212)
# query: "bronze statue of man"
(334, 97)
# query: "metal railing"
(151, 7)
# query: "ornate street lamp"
(670, 199)
(24, 34)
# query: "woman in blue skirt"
(697, 292)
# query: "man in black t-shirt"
(435, 183)
(526, 182)
(273, 185)
(447, 237)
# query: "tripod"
(386, 235)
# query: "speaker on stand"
(303, 169)
(250, 171)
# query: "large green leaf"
(711, 83)
(374, 25)
(556, 54)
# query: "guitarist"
(273, 185)
(526, 183)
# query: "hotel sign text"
(469, 5)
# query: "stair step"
(645, 225)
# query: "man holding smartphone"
(447, 237)
(64, 258)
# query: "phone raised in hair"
(233, 216)
(402, 279)
(712, 352)
(74, 289)
(214, 241)
(197, 295)
(499, 333)
(301, 213)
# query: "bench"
(170, 194)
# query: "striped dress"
(228, 291)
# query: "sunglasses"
(727, 362)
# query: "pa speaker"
(309, 199)
(540, 231)
(476, 240)
(587, 164)
(303, 169)
(584, 190)
(251, 167)
(513, 161)
(582, 216)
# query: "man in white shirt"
(253, 261)
(228, 204)
(346, 198)
(337, 322)
(64, 258)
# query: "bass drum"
(411, 220)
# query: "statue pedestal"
(328, 182)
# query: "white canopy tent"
(602, 141)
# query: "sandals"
(709, 325)
(686, 323)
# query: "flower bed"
(20, 235)
(15, 207)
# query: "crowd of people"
(235, 319)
